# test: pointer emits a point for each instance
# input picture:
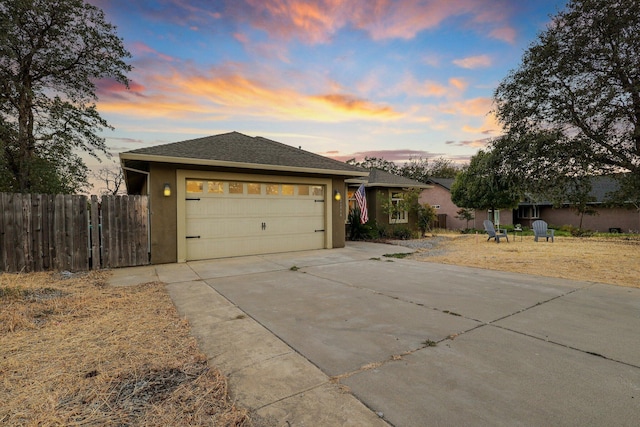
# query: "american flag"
(362, 204)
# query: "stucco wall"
(163, 214)
(441, 196)
(338, 213)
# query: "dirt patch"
(613, 260)
(76, 352)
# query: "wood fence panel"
(125, 231)
(64, 232)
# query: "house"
(232, 194)
(439, 196)
(607, 218)
(381, 187)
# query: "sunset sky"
(341, 78)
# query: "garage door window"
(272, 189)
(317, 190)
(303, 190)
(215, 187)
(287, 190)
(254, 188)
(194, 186)
(236, 188)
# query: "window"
(254, 188)
(236, 188)
(272, 190)
(216, 187)
(528, 212)
(351, 199)
(303, 190)
(287, 190)
(317, 190)
(397, 215)
(194, 186)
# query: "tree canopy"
(482, 185)
(573, 105)
(52, 53)
(418, 169)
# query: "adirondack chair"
(540, 230)
(491, 231)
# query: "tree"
(580, 82)
(481, 185)
(466, 214)
(52, 53)
(111, 179)
(443, 168)
(375, 163)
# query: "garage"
(231, 195)
(235, 218)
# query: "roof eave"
(221, 163)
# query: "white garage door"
(233, 218)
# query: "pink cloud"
(477, 143)
(472, 62)
(507, 34)
(142, 49)
(317, 21)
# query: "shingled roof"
(238, 150)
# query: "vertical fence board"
(95, 233)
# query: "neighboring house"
(439, 196)
(232, 194)
(608, 218)
(619, 218)
(381, 186)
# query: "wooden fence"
(40, 232)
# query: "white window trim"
(404, 216)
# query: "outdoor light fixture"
(167, 190)
(337, 195)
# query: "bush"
(401, 233)
(357, 230)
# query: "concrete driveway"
(349, 337)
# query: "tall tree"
(52, 53)
(580, 81)
(482, 185)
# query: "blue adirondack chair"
(540, 230)
(493, 234)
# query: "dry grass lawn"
(75, 352)
(613, 260)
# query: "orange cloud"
(352, 104)
(473, 62)
(223, 93)
(430, 88)
(470, 107)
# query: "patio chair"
(540, 230)
(491, 231)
